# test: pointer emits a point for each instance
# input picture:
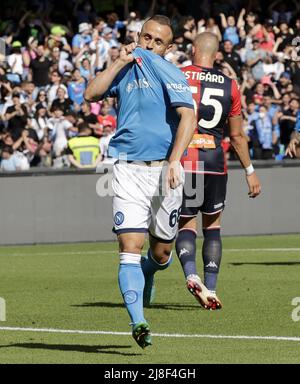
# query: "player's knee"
(162, 255)
(130, 246)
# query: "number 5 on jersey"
(208, 100)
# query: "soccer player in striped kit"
(216, 100)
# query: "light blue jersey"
(148, 91)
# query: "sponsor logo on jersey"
(202, 141)
(183, 251)
(138, 84)
(178, 87)
(212, 264)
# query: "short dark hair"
(84, 127)
(162, 20)
(57, 108)
(8, 149)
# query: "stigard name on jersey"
(205, 76)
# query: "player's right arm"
(240, 144)
(98, 86)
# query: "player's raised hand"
(126, 55)
(291, 149)
(174, 175)
(254, 185)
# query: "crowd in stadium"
(53, 50)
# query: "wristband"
(249, 170)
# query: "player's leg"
(159, 257)
(214, 204)
(131, 217)
(165, 213)
(186, 251)
(131, 283)
(193, 195)
(212, 252)
(186, 244)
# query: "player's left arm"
(240, 144)
(182, 140)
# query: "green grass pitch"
(74, 287)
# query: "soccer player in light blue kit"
(156, 121)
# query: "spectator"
(41, 100)
(108, 133)
(100, 47)
(15, 61)
(62, 100)
(82, 38)
(40, 122)
(287, 120)
(284, 83)
(212, 27)
(9, 160)
(232, 57)
(29, 53)
(108, 36)
(16, 115)
(86, 69)
(56, 83)
(230, 29)
(76, 89)
(60, 60)
(83, 150)
(59, 127)
(262, 136)
(28, 144)
(40, 68)
(284, 35)
(188, 31)
(254, 59)
(57, 39)
(89, 119)
(105, 117)
(268, 38)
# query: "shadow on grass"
(268, 263)
(74, 348)
(170, 307)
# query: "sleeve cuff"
(179, 104)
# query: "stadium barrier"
(57, 206)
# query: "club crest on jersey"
(139, 61)
(119, 218)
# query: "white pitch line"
(100, 251)
(262, 250)
(164, 335)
